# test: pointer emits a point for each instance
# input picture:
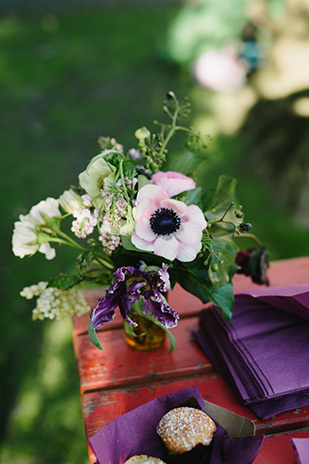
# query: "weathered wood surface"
(119, 379)
(102, 369)
(277, 449)
(101, 407)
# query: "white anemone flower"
(98, 174)
(167, 227)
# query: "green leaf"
(142, 181)
(224, 299)
(168, 333)
(93, 335)
(52, 223)
(103, 154)
(64, 281)
(129, 328)
(194, 278)
(194, 196)
(184, 162)
(227, 260)
(222, 198)
(127, 244)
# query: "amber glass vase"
(148, 335)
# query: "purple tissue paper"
(263, 352)
(301, 446)
(135, 433)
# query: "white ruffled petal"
(179, 207)
(140, 243)
(151, 191)
(143, 230)
(166, 247)
(188, 253)
(189, 234)
(195, 215)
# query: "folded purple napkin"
(301, 446)
(263, 352)
(293, 298)
(135, 433)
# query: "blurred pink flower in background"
(220, 70)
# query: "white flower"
(33, 290)
(86, 199)
(28, 237)
(97, 174)
(54, 303)
(24, 241)
(85, 222)
(167, 227)
(46, 208)
(70, 201)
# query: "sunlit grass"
(47, 418)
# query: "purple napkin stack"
(263, 352)
(301, 447)
(135, 433)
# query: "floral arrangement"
(139, 225)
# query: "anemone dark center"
(164, 221)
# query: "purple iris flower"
(130, 284)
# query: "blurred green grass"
(65, 80)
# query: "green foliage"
(224, 299)
(194, 197)
(93, 335)
(184, 161)
(64, 281)
(224, 254)
(224, 195)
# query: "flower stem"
(122, 178)
(71, 242)
(172, 130)
(253, 237)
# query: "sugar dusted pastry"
(184, 428)
(144, 459)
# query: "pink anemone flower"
(173, 182)
(167, 227)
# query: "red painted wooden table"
(119, 379)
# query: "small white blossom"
(85, 222)
(86, 199)
(70, 201)
(33, 290)
(135, 154)
(54, 303)
(117, 146)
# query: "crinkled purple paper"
(263, 353)
(301, 446)
(291, 298)
(135, 433)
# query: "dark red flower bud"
(254, 263)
